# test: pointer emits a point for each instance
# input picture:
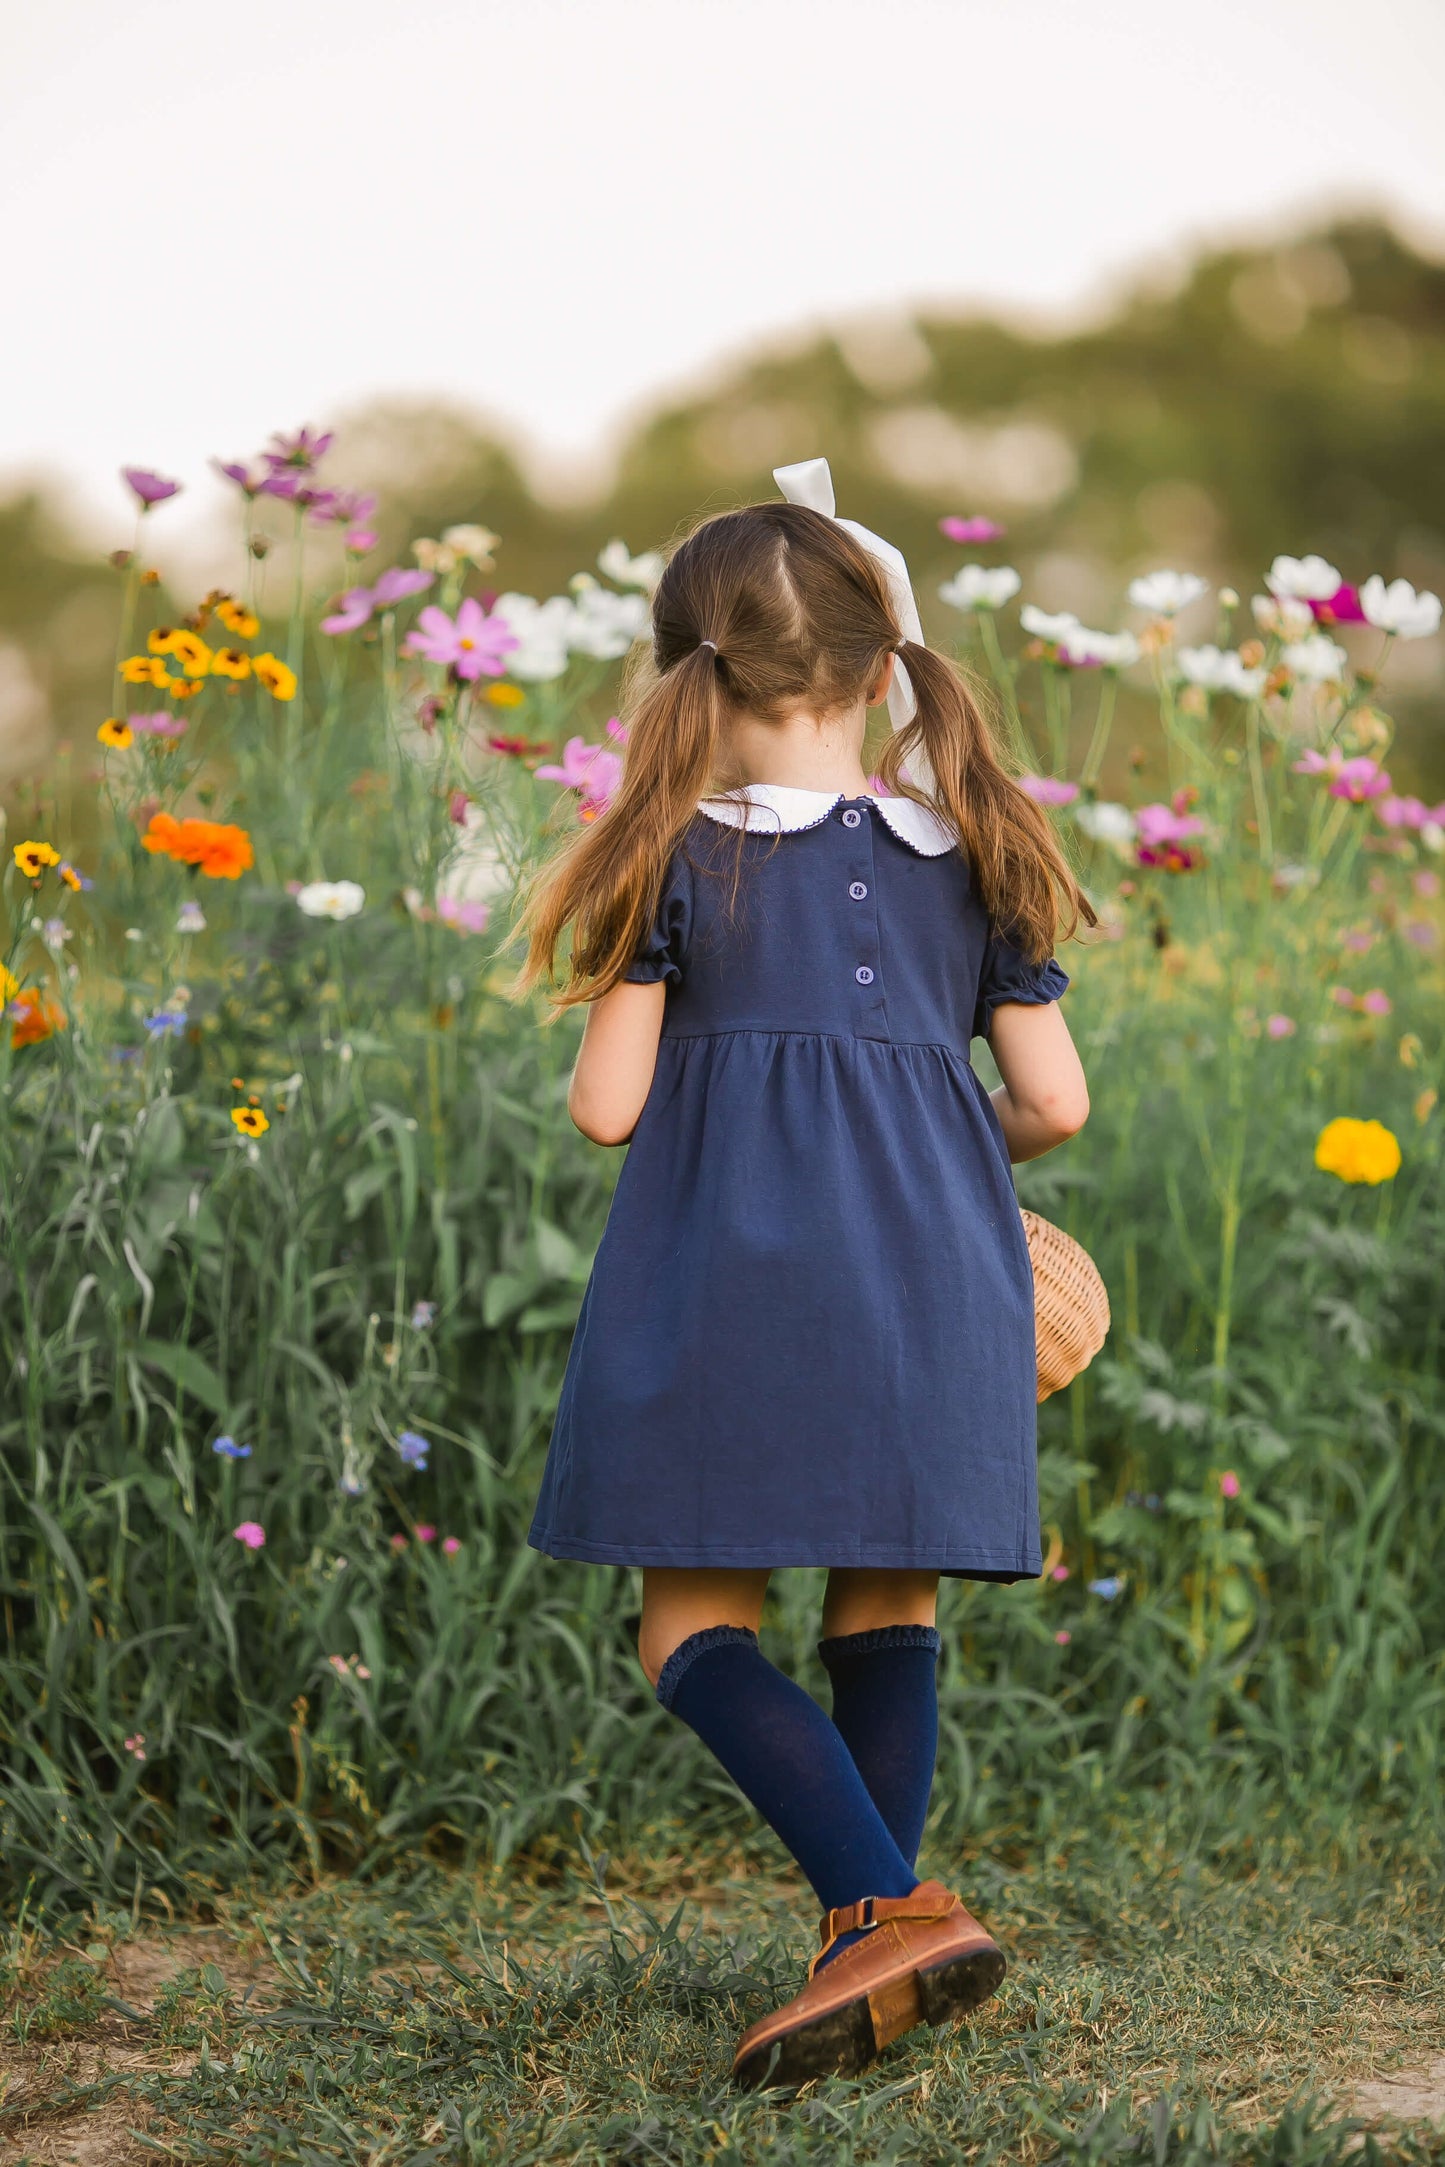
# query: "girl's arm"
(614, 1067)
(1043, 1098)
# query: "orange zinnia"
(226, 852)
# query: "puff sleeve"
(662, 953)
(1009, 976)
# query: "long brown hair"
(767, 611)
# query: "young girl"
(808, 1337)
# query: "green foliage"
(1249, 1477)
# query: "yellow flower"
(250, 1120)
(116, 733)
(159, 641)
(143, 670)
(237, 618)
(230, 662)
(1358, 1151)
(1426, 1103)
(9, 985)
(505, 696)
(182, 688)
(279, 680)
(193, 655)
(32, 858)
(71, 878)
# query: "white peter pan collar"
(777, 809)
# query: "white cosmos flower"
(1291, 620)
(1164, 594)
(1306, 579)
(605, 625)
(544, 630)
(981, 586)
(1220, 669)
(1105, 821)
(1111, 650)
(1317, 660)
(1043, 626)
(643, 571)
(331, 899)
(1399, 609)
(477, 543)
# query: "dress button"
(863, 975)
(852, 817)
(857, 890)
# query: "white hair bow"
(810, 482)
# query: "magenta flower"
(1063, 1636)
(233, 470)
(618, 731)
(425, 1532)
(971, 530)
(1409, 813)
(402, 580)
(398, 1542)
(1360, 780)
(292, 486)
(462, 916)
(1229, 1483)
(358, 603)
(1060, 1572)
(583, 767)
(1048, 790)
(355, 611)
(302, 450)
(149, 487)
(474, 645)
(1157, 825)
(251, 1533)
(451, 1544)
(361, 541)
(1340, 608)
(164, 724)
(1375, 1003)
(1280, 1026)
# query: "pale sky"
(218, 224)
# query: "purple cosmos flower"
(473, 646)
(1048, 790)
(345, 508)
(402, 580)
(291, 485)
(233, 470)
(166, 1023)
(301, 450)
(413, 1449)
(149, 487)
(1340, 608)
(354, 612)
(230, 1450)
(968, 531)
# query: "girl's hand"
(1043, 1099)
(614, 1067)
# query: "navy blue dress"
(808, 1338)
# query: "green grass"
(1178, 1993)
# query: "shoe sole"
(849, 2037)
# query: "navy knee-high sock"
(885, 1704)
(787, 1757)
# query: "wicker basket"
(1071, 1305)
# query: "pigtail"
(607, 881)
(1024, 879)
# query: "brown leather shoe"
(922, 1960)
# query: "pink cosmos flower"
(1280, 1026)
(293, 487)
(358, 603)
(149, 487)
(354, 612)
(1048, 790)
(302, 450)
(1340, 608)
(591, 770)
(402, 580)
(474, 646)
(360, 541)
(1376, 1002)
(463, 916)
(163, 724)
(251, 1533)
(1229, 1483)
(451, 1544)
(1158, 824)
(425, 1532)
(1409, 813)
(234, 470)
(969, 531)
(618, 731)
(345, 509)
(1357, 780)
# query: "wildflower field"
(293, 1230)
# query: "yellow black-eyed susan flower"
(250, 1120)
(192, 653)
(33, 858)
(230, 662)
(76, 882)
(117, 734)
(143, 670)
(159, 641)
(276, 675)
(237, 618)
(182, 688)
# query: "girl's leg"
(699, 1646)
(881, 1651)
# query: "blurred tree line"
(1288, 397)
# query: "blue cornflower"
(230, 1450)
(166, 1022)
(1107, 1588)
(412, 1448)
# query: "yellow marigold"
(116, 733)
(250, 1120)
(36, 1017)
(192, 653)
(505, 696)
(32, 858)
(144, 670)
(230, 662)
(276, 676)
(1358, 1150)
(237, 618)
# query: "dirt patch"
(1407, 2095)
